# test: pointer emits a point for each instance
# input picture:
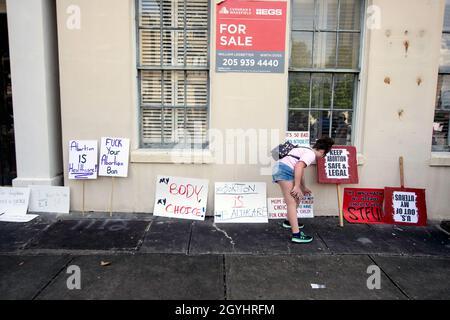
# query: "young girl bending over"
(289, 174)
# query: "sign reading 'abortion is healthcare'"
(250, 36)
(83, 159)
(240, 202)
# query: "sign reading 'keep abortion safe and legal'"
(339, 166)
(250, 36)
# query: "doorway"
(8, 170)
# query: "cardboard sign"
(14, 201)
(339, 166)
(405, 206)
(114, 157)
(83, 161)
(277, 208)
(250, 36)
(299, 138)
(364, 206)
(240, 202)
(182, 198)
(49, 199)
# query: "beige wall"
(386, 134)
(99, 97)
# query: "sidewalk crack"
(390, 279)
(225, 289)
(225, 234)
(190, 238)
(141, 241)
(53, 278)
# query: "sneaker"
(301, 238)
(287, 225)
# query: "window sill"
(440, 159)
(188, 156)
(171, 156)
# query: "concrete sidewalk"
(156, 258)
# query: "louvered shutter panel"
(174, 103)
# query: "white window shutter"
(174, 103)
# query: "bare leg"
(291, 202)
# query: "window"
(441, 137)
(173, 70)
(324, 67)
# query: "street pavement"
(137, 256)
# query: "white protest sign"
(337, 164)
(240, 202)
(83, 159)
(405, 207)
(182, 198)
(49, 199)
(278, 210)
(300, 138)
(14, 201)
(114, 157)
(12, 217)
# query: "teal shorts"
(282, 172)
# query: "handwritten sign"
(405, 206)
(114, 157)
(277, 208)
(299, 138)
(14, 200)
(49, 199)
(83, 162)
(364, 206)
(250, 36)
(339, 166)
(240, 202)
(182, 198)
(13, 217)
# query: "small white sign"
(14, 201)
(83, 159)
(405, 207)
(182, 198)
(12, 217)
(49, 199)
(299, 138)
(114, 157)
(278, 209)
(240, 202)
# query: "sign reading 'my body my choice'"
(250, 36)
(183, 198)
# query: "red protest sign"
(339, 166)
(250, 36)
(364, 205)
(405, 206)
